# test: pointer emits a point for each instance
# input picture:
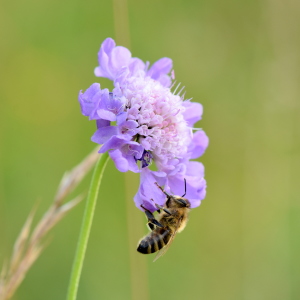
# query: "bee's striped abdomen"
(154, 241)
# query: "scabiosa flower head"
(142, 121)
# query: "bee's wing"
(162, 251)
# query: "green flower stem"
(86, 226)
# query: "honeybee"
(172, 218)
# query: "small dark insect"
(172, 218)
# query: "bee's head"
(177, 201)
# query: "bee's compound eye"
(168, 202)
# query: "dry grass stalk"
(28, 246)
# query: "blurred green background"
(241, 60)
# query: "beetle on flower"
(142, 121)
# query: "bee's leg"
(151, 219)
(163, 208)
(151, 226)
(162, 190)
(159, 207)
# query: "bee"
(173, 217)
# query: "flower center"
(158, 112)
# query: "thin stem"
(86, 226)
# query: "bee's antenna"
(184, 188)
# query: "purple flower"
(141, 121)
(112, 59)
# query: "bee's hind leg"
(152, 222)
(151, 226)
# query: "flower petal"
(121, 118)
(136, 66)
(124, 157)
(198, 144)
(195, 169)
(101, 72)
(111, 59)
(115, 142)
(102, 123)
(165, 80)
(103, 59)
(119, 57)
(113, 105)
(193, 112)
(148, 190)
(103, 134)
(200, 193)
(161, 67)
(89, 100)
(107, 46)
(132, 165)
(132, 149)
(106, 115)
(195, 183)
(119, 160)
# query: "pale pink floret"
(159, 113)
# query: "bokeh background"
(241, 60)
